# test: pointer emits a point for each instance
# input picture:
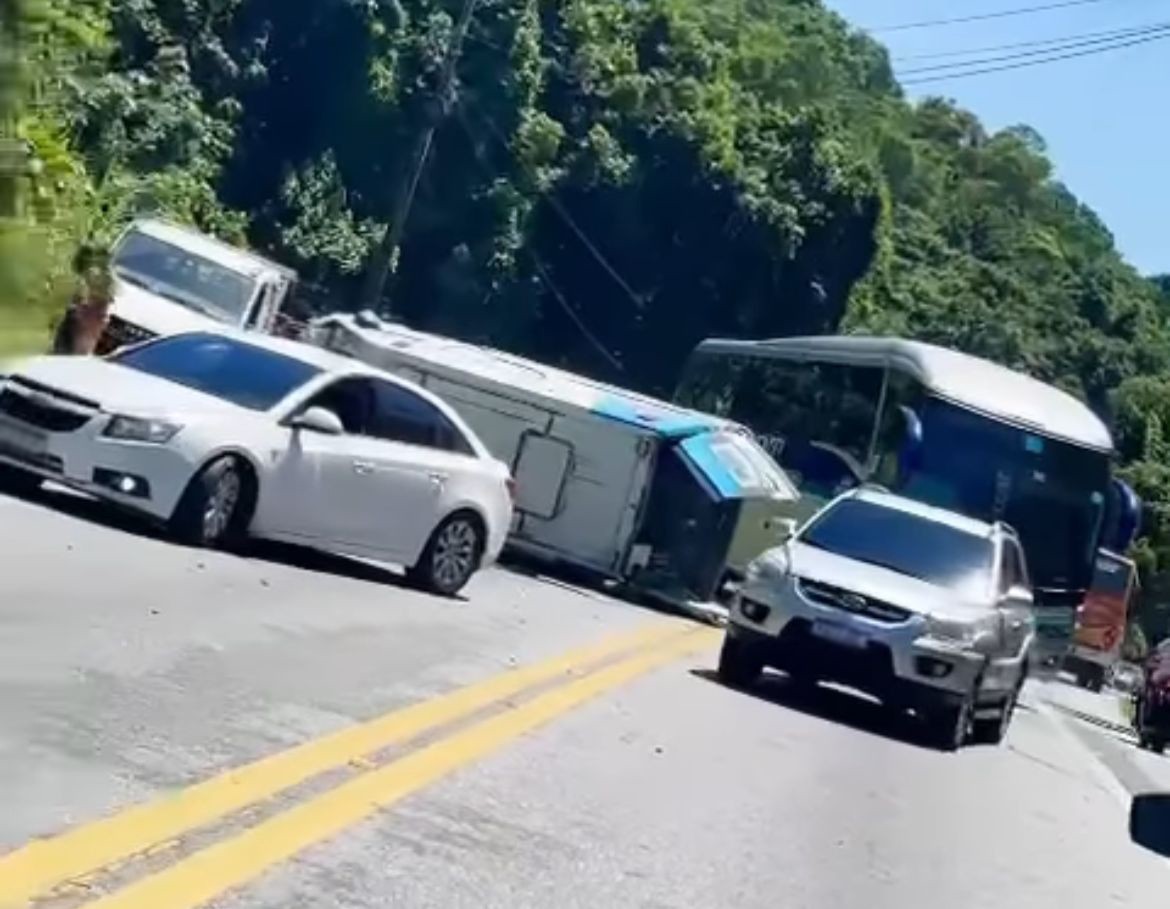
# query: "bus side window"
(895, 456)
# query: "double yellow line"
(554, 687)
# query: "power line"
(1042, 42)
(981, 17)
(573, 314)
(1161, 36)
(563, 213)
(1024, 55)
(543, 272)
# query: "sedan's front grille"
(856, 603)
(51, 463)
(40, 410)
(120, 333)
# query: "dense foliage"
(616, 181)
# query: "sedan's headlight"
(138, 429)
(974, 633)
(771, 567)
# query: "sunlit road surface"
(180, 729)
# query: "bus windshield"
(1051, 492)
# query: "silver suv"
(925, 609)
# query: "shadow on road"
(303, 558)
(86, 509)
(319, 562)
(101, 514)
(833, 705)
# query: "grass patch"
(23, 331)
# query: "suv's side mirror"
(1149, 822)
(784, 529)
(1017, 597)
(318, 419)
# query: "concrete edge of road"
(1102, 775)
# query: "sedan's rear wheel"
(452, 555)
(213, 510)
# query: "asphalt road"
(137, 673)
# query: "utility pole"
(384, 259)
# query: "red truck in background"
(1101, 621)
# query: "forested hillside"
(615, 181)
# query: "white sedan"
(223, 436)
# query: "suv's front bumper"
(898, 662)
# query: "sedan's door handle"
(363, 467)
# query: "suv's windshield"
(249, 376)
(906, 543)
(179, 275)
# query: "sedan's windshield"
(183, 277)
(241, 373)
(903, 542)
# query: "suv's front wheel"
(739, 665)
(993, 730)
(949, 724)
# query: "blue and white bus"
(935, 425)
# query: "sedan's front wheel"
(452, 555)
(213, 510)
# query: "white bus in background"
(939, 426)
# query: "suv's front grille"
(120, 333)
(856, 603)
(39, 406)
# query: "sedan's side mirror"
(318, 419)
(1149, 822)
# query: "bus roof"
(971, 382)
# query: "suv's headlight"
(771, 567)
(138, 429)
(973, 633)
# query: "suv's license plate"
(840, 634)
